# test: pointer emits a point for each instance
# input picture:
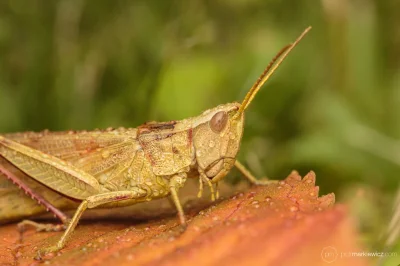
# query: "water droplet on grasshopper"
(105, 154)
(211, 144)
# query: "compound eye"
(219, 121)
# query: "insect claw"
(182, 227)
(38, 257)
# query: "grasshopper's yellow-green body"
(117, 167)
(140, 159)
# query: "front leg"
(251, 177)
(176, 182)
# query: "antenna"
(269, 70)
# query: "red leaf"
(279, 224)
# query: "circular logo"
(329, 254)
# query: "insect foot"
(182, 228)
(47, 251)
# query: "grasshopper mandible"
(126, 166)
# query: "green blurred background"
(332, 107)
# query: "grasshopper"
(117, 167)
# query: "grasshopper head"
(217, 139)
(219, 131)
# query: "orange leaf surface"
(279, 224)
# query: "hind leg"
(41, 227)
(42, 201)
(90, 202)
